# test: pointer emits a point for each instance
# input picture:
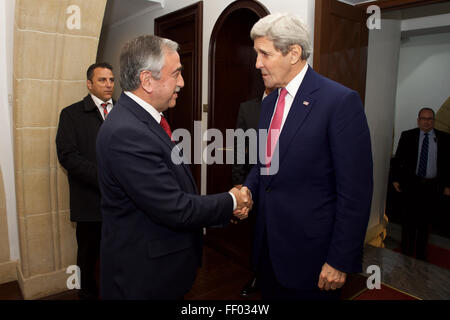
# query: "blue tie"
(422, 172)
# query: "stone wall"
(443, 117)
(54, 43)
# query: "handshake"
(244, 202)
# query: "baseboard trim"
(42, 285)
(8, 271)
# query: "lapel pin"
(306, 103)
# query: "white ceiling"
(118, 11)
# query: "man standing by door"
(314, 202)
(421, 173)
(248, 118)
(75, 144)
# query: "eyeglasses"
(426, 119)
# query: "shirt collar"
(148, 107)
(293, 86)
(98, 101)
(430, 133)
(264, 95)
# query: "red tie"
(275, 126)
(165, 125)
(105, 111)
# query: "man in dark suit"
(421, 173)
(314, 187)
(152, 213)
(248, 118)
(75, 144)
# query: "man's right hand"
(396, 186)
(244, 202)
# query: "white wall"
(6, 140)
(423, 78)
(381, 84)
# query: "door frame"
(260, 10)
(191, 12)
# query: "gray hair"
(285, 30)
(143, 53)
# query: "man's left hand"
(331, 278)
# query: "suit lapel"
(89, 106)
(267, 108)
(415, 147)
(300, 108)
(159, 131)
(154, 126)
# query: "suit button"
(268, 190)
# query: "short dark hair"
(90, 70)
(426, 108)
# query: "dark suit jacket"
(248, 118)
(316, 208)
(152, 215)
(75, 146)
(405, 161)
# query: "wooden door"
(233, 79)
(340, 43)
(185, 27)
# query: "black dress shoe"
(250, 288)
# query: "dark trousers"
(88, 239)
(271, 289)
(420, 200)
(252, 221)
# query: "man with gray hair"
(313, 212)
(152, 214)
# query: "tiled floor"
(415, 277)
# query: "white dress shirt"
(292, 88)
(98, 103)
(432, 154)
(147, 107)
